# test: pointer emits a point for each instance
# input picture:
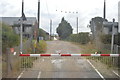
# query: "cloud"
(86, 9)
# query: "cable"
(47, 9)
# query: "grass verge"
(91, 49)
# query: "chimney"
(104, 11)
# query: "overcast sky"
(51, 9)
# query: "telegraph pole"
(77, 25)
(112, 40)
(38, 20)
(50, 28)
(104, 11)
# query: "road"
(65, 67)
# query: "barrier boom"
(77, 55)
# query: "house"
(101, 25)
(29, 26)
(107, 27)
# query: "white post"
(21, 34)
(77, 24)
(112, 40)
(50, 29)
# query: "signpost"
(21, 28)
(112, 40)
(23, 18)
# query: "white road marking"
(53, 61)
(14, 53)
(116, 73)
(20, 74)
(43, 60)
(96, 70)
(56, 61)
(39, 75)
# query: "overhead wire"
(47, 9)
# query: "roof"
(110, 24)
(12, 20)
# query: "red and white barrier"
(77, 55)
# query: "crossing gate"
(38, 62)
(78, 55)
(30, 60)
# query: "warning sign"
(11, 50)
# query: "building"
(119, 16)
(101, 25)
(29, 26)
(107, 28)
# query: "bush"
(9, 39)
(41, 47)
(82, 38)
(106, 39)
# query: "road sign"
(35, 44)
(11, 50)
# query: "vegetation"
(106, 39)
(9, 39)
(0, 37)
(64, 29)
(91, 49)
(82, 38)
(27, 62)
(98, 22)
(41, 47)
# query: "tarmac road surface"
(65, 67)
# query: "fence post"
(117, 48)
(9, 66)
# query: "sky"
(56, 9)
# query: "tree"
(64, 29)
(9, 38)
(106, 39)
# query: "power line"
(72, 12)
(47, 8)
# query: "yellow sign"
(35, 44)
